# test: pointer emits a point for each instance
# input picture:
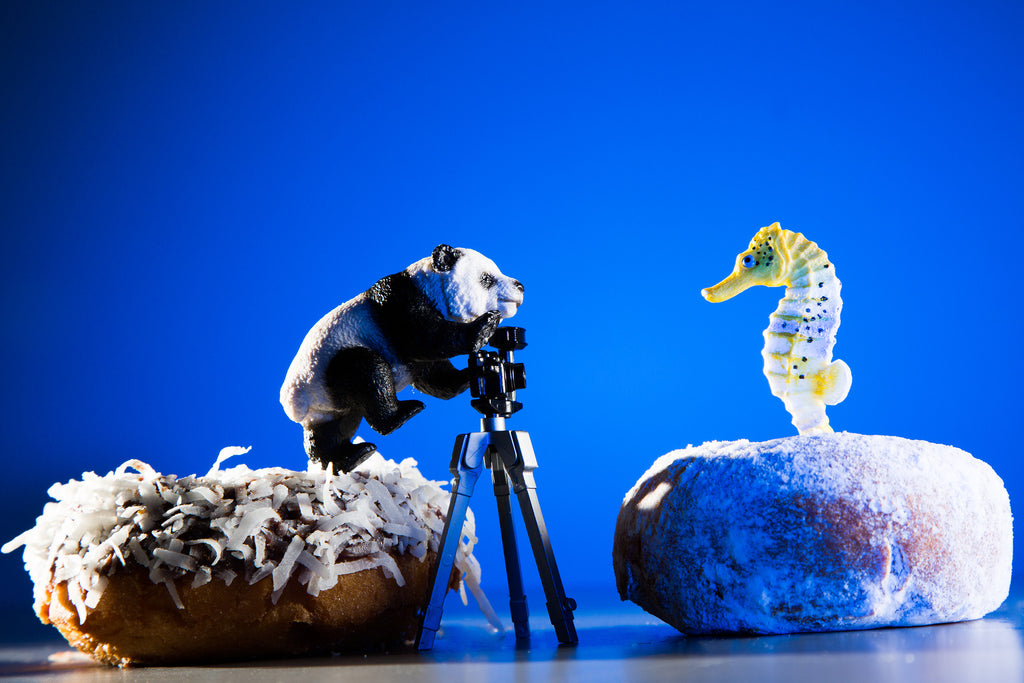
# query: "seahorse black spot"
(801, 376)
(820, 330)
(824, 298)
(804, 359)
(826, 265)
(821, 284)
(805, 319)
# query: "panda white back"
(304, 393)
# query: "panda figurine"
(399, 332)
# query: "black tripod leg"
(520, 461)
(560, 608)
(516, 594)
(467, 464)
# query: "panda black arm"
(440, 379)
(419, 332)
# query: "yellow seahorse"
(802, 330)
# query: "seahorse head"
(765, 262)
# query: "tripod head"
(496, 376)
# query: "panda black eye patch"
(487, 280)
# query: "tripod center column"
(492, 424)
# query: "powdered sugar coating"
(815, 533)
(268, 524)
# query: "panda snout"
(514, 293)
(511, 297)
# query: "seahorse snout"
(728, 288)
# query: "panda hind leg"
(331, 442)
(361, 380)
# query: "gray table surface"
(618, 642)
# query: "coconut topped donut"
(235, 526)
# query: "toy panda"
(399, 332)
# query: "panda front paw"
(487, 324)
(441, 379)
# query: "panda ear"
(444, 257)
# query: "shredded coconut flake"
(311, 527)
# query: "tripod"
(509, 456)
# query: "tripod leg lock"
(428, 629)
(561, 618)
(562, 610)
(520, 617)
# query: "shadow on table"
(611, 636)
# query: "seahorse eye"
(748, 261)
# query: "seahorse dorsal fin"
(837, 383)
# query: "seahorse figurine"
(802, 330)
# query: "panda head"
(464, 284)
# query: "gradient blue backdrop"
(187, 187)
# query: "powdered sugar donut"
(815, 533)
(139, 567)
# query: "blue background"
(187, 187)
